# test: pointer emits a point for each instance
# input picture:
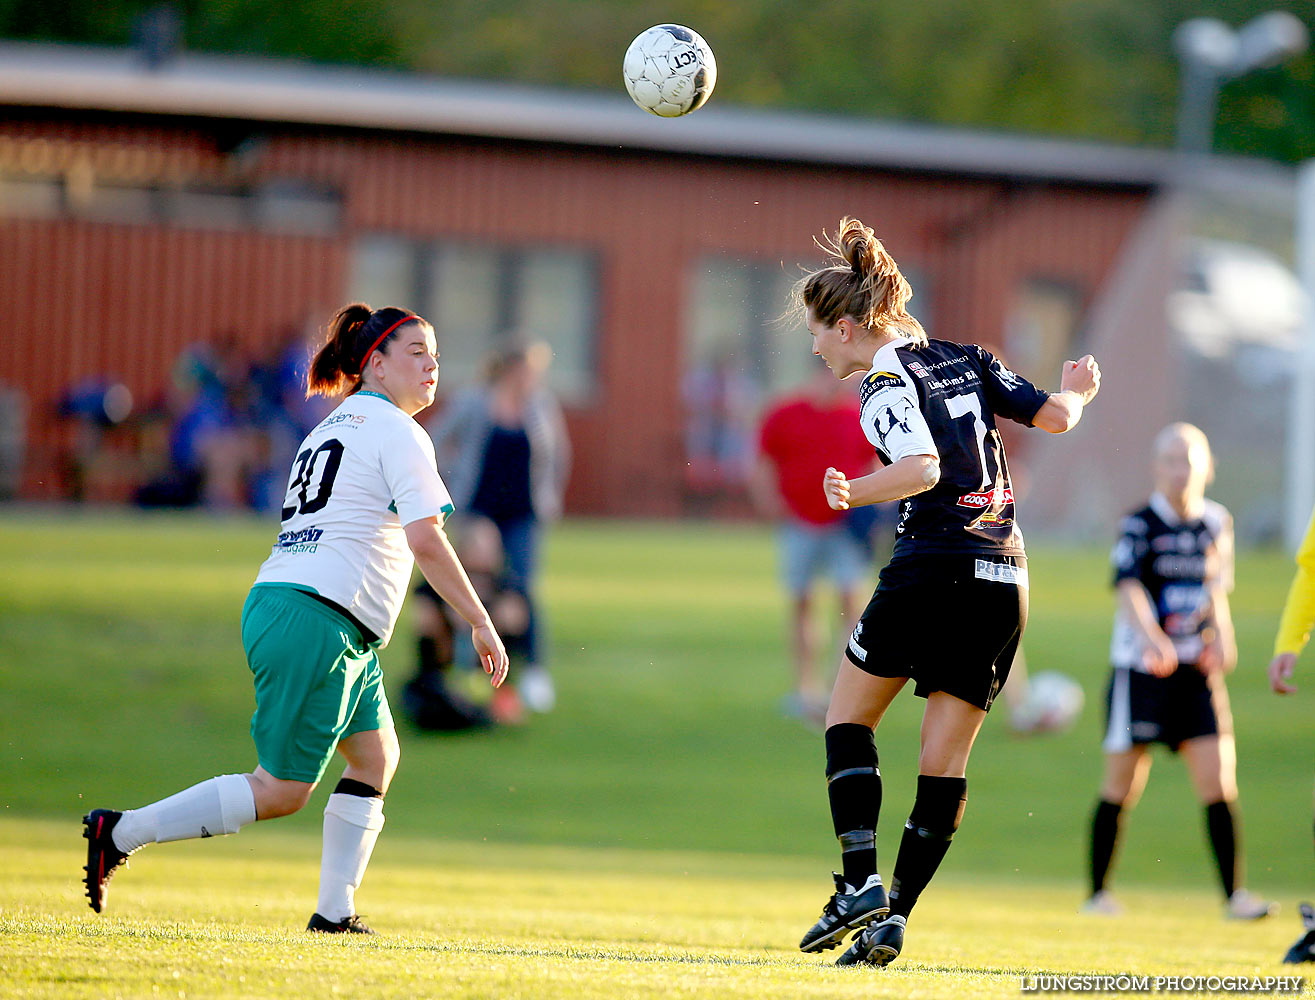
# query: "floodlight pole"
(1211, 52)
(1196, 108)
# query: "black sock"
(937, 809)
(350, 786)
(853, 784)
(1222, 829)
(1105, 823)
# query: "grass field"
(664, 833)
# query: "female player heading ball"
(951, 604)
(364, 502)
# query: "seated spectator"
(430, 698)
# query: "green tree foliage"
(1099, 69)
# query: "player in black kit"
(951, 604)
(1172, 645)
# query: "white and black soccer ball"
(1053, 703)
(669, 70)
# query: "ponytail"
(865, 284)
(354, 334)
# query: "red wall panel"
(82, 298)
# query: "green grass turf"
(461, 919)
(676, 823)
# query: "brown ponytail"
(330, 369)
(867, 287)
(354, 332)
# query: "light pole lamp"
(1211, 53)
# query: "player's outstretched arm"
(1078, 384)
(438, 561)
(911, 475)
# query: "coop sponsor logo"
(304, 540)
(988, 498)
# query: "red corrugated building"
(142, 211)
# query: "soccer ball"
(669, 70)
(1052, 704)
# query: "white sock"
(213, 808)
(351, 826)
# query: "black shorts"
(1141, 708)
(951, 623)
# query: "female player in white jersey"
(951, 604)
(364, 503)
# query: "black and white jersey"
(1177, 561)
(943, 400)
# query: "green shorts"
(316, 681)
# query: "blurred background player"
(433, 698)
(801, 434)
(1172, 645)
(504, 451)
(951, 605)
(1293, 634)
(364, 503)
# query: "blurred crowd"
(221, 435)
(233, 424)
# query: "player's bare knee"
(839, 714)
(275, 797)
(278, 796)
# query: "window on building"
(1040, 328)
(464, 301)
(278, 207)
(117, 203)
(383, 271)
(920, 305)
(291, 206)
(207, 207)
(480, 296)
(31, 197)
(555, 298)
(740, 349)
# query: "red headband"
(380, 339)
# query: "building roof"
(117, 80)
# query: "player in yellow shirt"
(1293, 633)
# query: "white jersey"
(367, 470)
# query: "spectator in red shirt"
(800, 436)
